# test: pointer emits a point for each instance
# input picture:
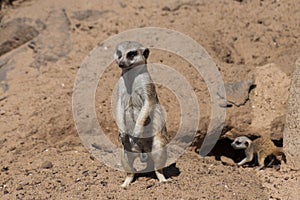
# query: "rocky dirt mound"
(42, 44)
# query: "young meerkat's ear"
(247, 144)
(146, 52)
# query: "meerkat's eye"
(238, 142)
(131, 54)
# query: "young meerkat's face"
(130, 54)
(241, 142)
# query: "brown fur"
(262, 146)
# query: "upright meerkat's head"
(241, 142)
(130, 54)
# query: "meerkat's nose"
(121, 64)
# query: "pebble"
(20, 187)
(93, 173)
(103, 183)
(47, 165)
(4, 169)
(85, 173)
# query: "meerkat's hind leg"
(271, 162)
(275, 158)
(127, 160)
(283, 157)
(159, 158)
(160, 175)
(129, 178)
(261, 161)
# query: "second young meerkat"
(139, 116)
(262, 146)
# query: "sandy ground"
(42, 156)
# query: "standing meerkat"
(140, 118)
(262, 146)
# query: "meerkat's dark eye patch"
(237, 142)
(119, 54)
(131, 54)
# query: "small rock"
(14, 34)
(93, 173)
(85, 173)
(47, 165)
(166, 8)
(4, 169)
(237, 93)
(58, 32)
(20, 187)
(89, 15)
(227, 161)
(77, 180)
(92, 157)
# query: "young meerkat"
(262, 146)
(140, 118)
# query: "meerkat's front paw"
(259, 168)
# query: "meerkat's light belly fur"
(133, 102)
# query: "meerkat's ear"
(146, 53)
(247, 144)
(117, 55)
